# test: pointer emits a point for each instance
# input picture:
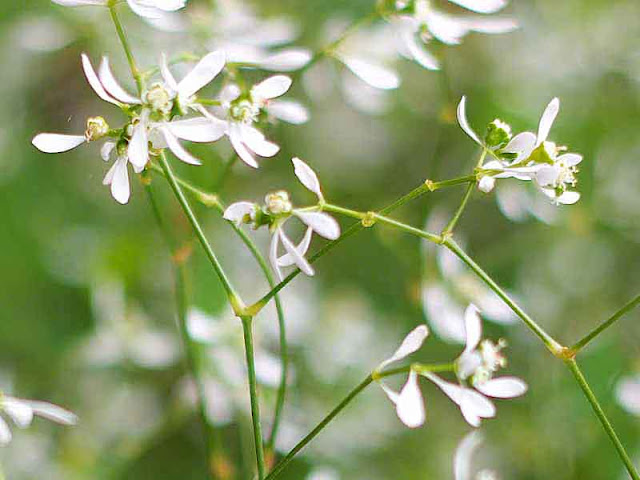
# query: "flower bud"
(498, 134)
(97, 128)
(278, 203)
(159, 99)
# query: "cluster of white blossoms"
(157, 119)
(21, 412)
(277, 210)
(526, 156)
(474, 368)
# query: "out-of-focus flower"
(419, 23)
(628, 394)
(462, 468)
(526, 156)
(277, 210)
(22, 412)
(408, 402)
(241, 111)
(145, 8)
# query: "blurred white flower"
(21, 412)
(628, 394)
(409, 403)
(145, 8)
(462, 468)
(420, 25)
(278, 210)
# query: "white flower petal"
(307, 176)
(202, 74)
(411, 343)
(323, 224)
(112, 86)
(546, 121)
(418, 51)
(289, 111)
(287, 60)
(491, 25)
(273, 253)
(446, 28)
(272, 87)
(229, 93)
(138, 149)
(475, 407)
(118, 178)
(167, 76)
(5, 433)
(628, 394)
(568, 198)
(79, 3)
(299, 259)
(464, 452)
(393, 396)
(463, 122)
(481, 6)
(375, 75)
(94, 81)
(570, 159)
(53, 412)
(443, 313)
(472, 327)
(486, 184)
(243, 152)
(237, 211)
(522, 142)
(198, 129)
(502, 387)
(547, 175)
(106, 149)
(287, 260)
(18, 410)
(254, 139)
(144, 10)
(409, 404)
(56, 143)
(178, 150)
(169, 5)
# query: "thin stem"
(427, 186)
(247, 328)
(127, 48)
(346, 401)
(606, 424)
(189, 346)
(448, 230)
(602, 327)
(234, 298)
(551, 344)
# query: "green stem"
(247, 328)
(189, 346)
(127, 48)
(427, 186)
(613, 319)
(606, 424)
(234, 298)
(448, 230)
(551, 344)
(346, 401)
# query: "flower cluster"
(168, 111)
(277, 210)
(474, 369)
(526, 156)
(22, 412)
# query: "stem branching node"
(368, 219)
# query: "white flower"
(242, 111)
(22, 413)
(462, 459)
(427, 22)
(529, 156)
(278, 210)
(145, 8)
(628, 394)
(409, 403)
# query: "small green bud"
(498, 134)
(97, 128)
(546, 152)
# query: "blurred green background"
(88, 314)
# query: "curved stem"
(606, 424)
(247, 329)
(234, 298)
(602, 327)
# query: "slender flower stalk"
(247, 329)
(606, 324)
(602, 417)
(127, 48)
